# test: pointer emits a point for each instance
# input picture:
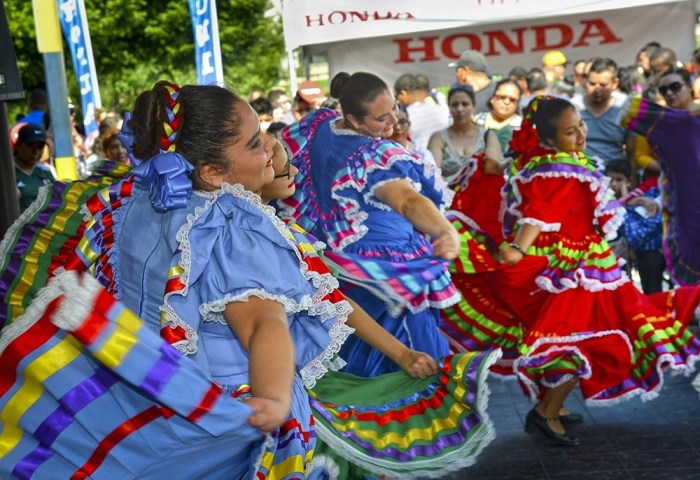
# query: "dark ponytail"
(210, 122)
(355, 92)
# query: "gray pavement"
(633, 440)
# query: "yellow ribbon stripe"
(175, 271)
(89, 253)
(282, 469)
(36, 372)
(404, 440)
(40, 246)
(121, 341)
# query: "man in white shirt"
(426, 116)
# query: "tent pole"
(293, 81)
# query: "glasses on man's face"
(674, 87)
(288, 171)
(503, 98)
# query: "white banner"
(617, 34)
(309, 22)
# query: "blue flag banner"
(206, 40)
(75, 30)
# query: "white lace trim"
(15, 229)
(557, 347)
(187, 346)
(611, 227)
(212, 311)
(463, 174)
(369, 196)
(267, 445)
(79, 292)
(436, 467)
(85, 212)
(320, 365)
(345, 131)
(31, 315)
(103, 193)
(354, 216)
(465, 219)
(324, 310)
(581, 280)
(336, 363)
(665, 361)
(237, 190)
(696, 383)
(624, 110)
(326, 463)
(544, 226)
(114, 259)
(599, 186)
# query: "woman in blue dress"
(378, 208)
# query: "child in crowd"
(640, 234)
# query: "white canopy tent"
(389, 37)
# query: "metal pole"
(50, 43)
(55, 72)
(10, 89)
(9, 203)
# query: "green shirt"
(29, 184)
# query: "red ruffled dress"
(567, 307)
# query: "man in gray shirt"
(472, 69)
(600, 108)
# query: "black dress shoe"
(571, 419)
(535, 420)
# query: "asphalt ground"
(633, 440)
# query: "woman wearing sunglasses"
(676, 89)
(504, 113)
(401, 135)
(674, 134)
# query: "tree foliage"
(137, 42)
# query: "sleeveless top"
(452, 162)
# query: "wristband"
(518, 248)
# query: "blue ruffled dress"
(178, 269)
(383, 262)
